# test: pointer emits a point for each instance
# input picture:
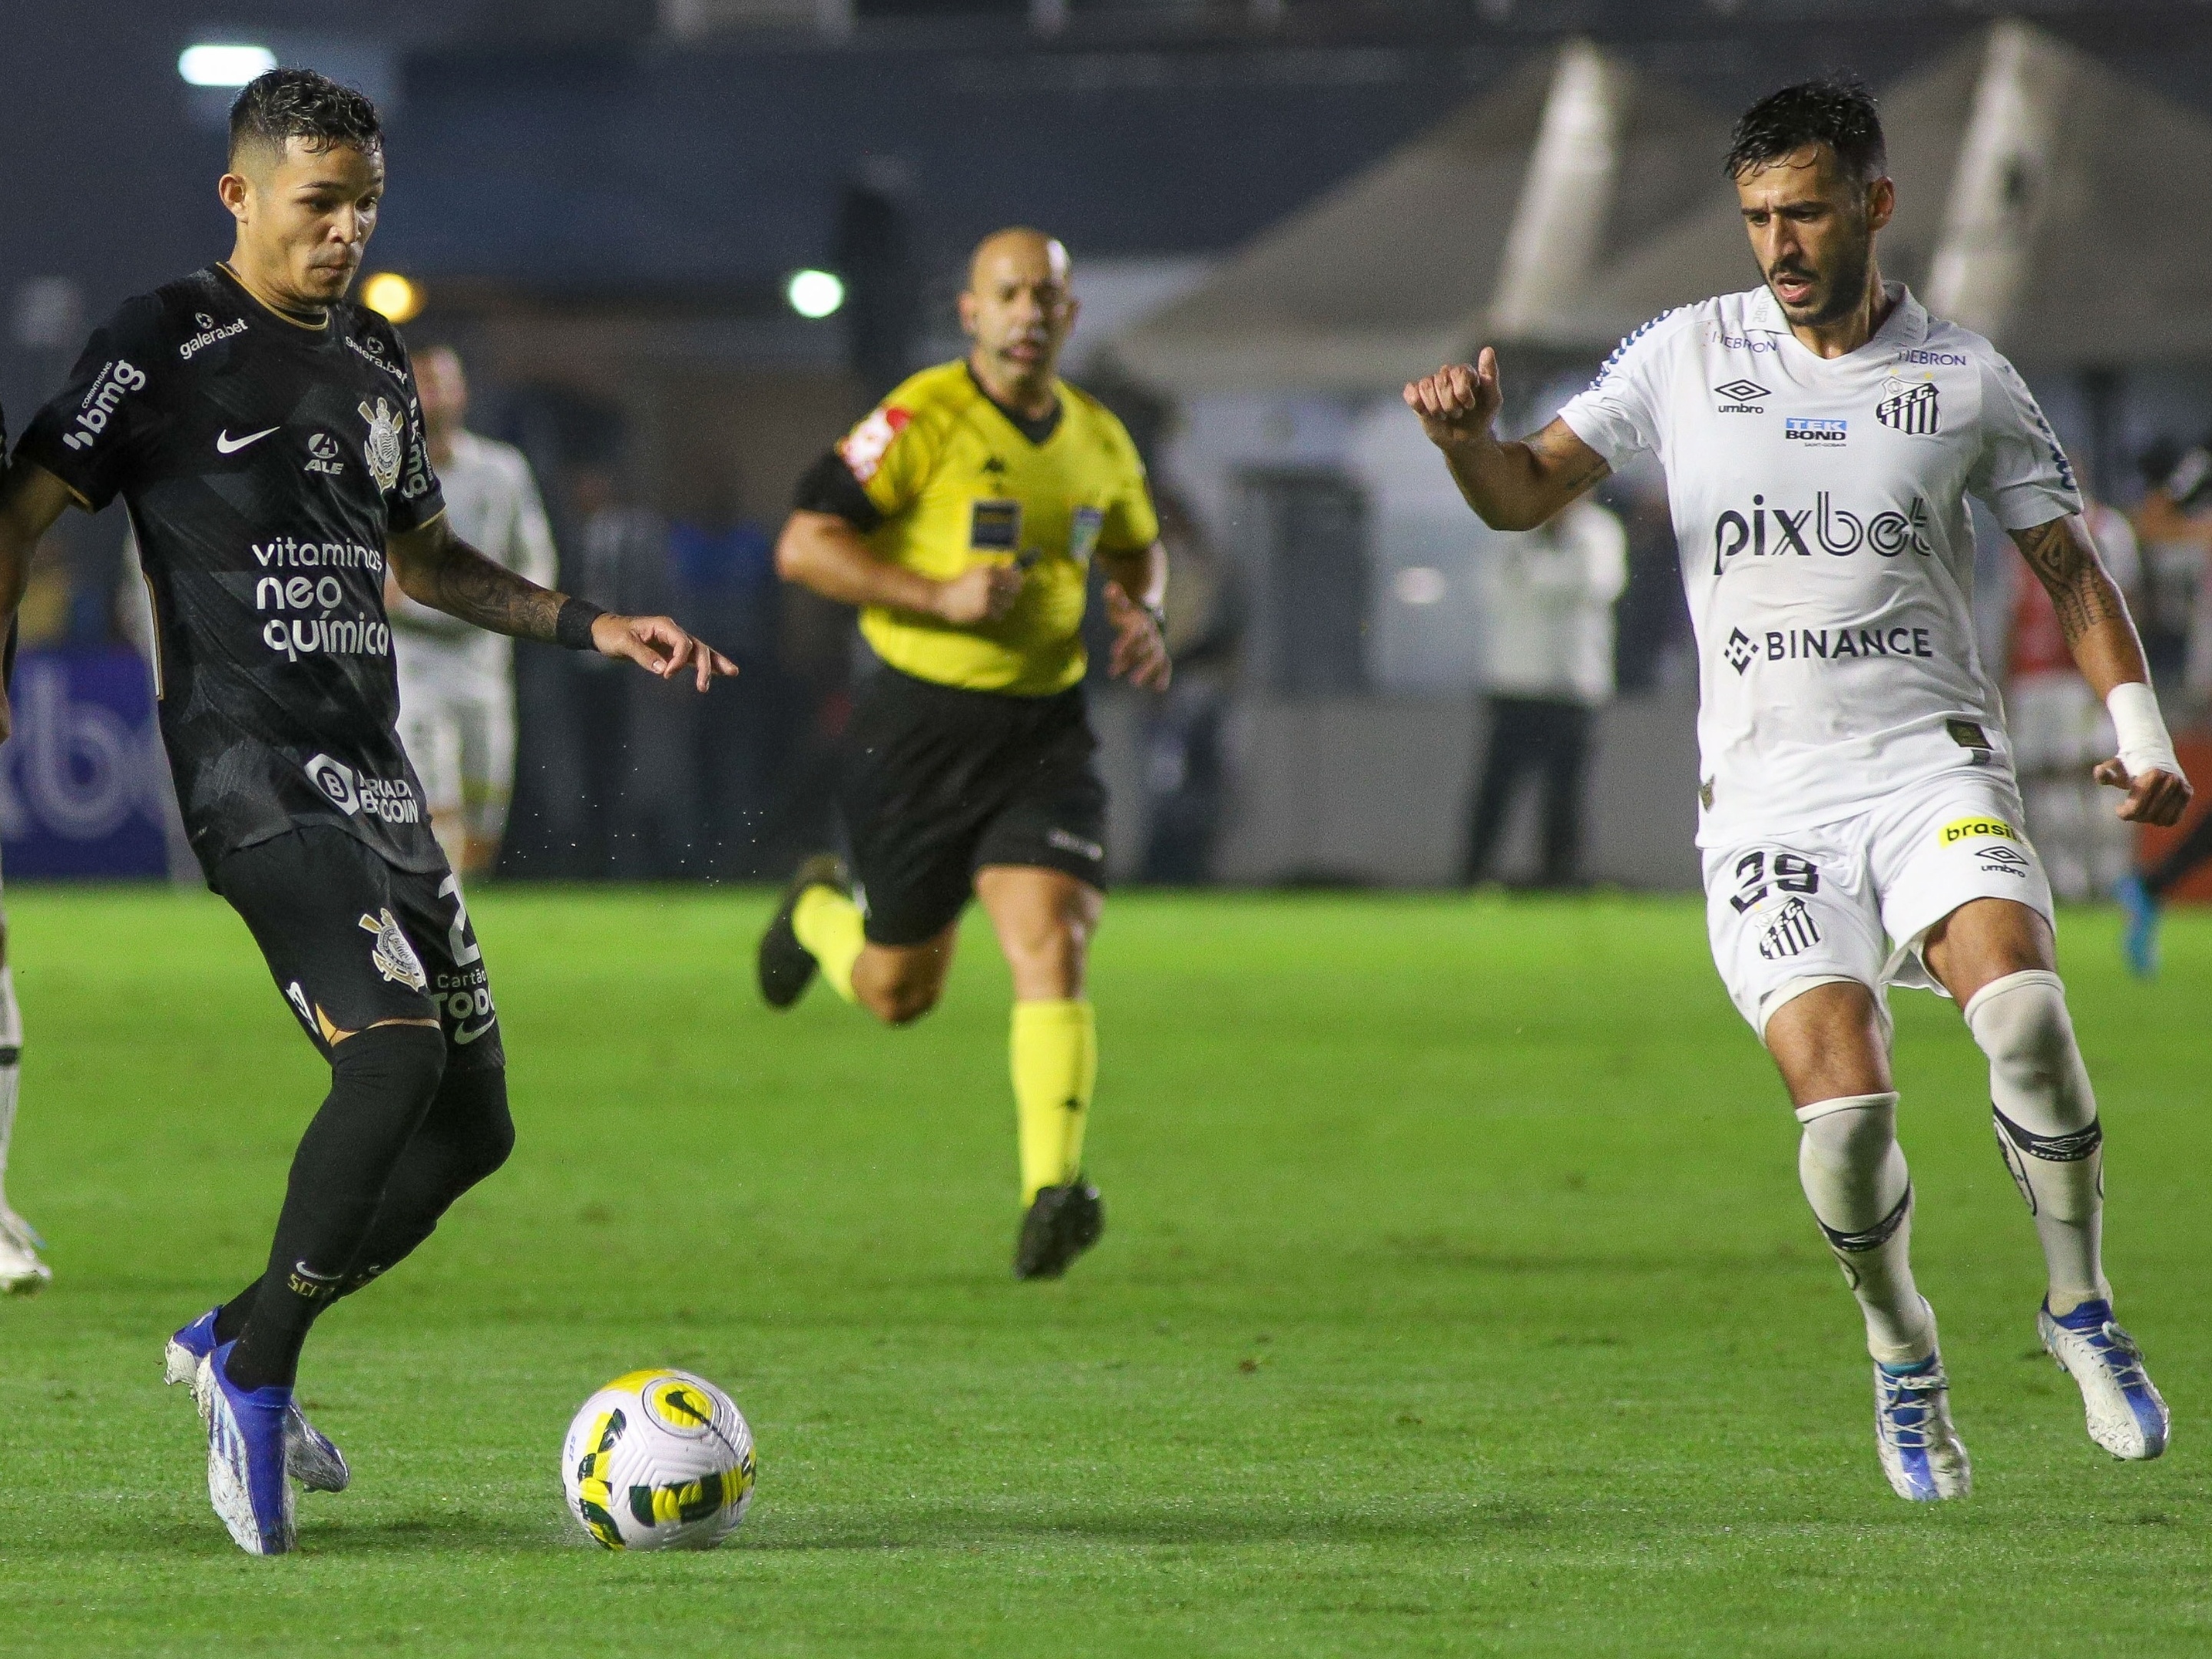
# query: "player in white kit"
(456, 682)
(1860, 818)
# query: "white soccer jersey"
(1820, 508)
(492, 502)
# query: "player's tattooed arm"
(436, 567)
(2064, 560)
(31, 499)
(1510, 486)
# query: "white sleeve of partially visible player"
(2023, 475)
(531, 553)
(1619, 415)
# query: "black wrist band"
(572, 627)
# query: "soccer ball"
(659, 1460)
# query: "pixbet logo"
(1778, 530)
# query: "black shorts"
(352, 941)
(938, 782)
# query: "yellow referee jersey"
(958, 482)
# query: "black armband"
(572, 625)
(829, 486)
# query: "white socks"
(2046, 1123)
(11, 1053)
(1855, 1178)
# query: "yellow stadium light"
(815, 292)
(218, 64)
(392, 295)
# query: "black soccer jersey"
(263, 462)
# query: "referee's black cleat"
(786, 967)
(1063, 1223)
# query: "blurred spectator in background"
(640, 812)
(1185, 774)
(456, 682)
(725, 565)
(1654, 646)
(1547, 614)
(2060, 730)
(2173, 524)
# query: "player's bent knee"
(472, 1114)
(399, 1058)
(2020, 1023)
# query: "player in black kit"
(264, 436)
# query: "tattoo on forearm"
(461, 582)
(1579, 466)
(2068, 569)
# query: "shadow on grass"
(955, 1526)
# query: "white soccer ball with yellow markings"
(659, 1460)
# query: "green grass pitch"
(1457, 1299)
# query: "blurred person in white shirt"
(456, 682)
(1547, 613)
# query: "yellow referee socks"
(1056, 1062)
(829, 925)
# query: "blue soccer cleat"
(309, 1456)
(1921, 1452)
(2124, 1413)
(246, 1458)
(2140, 910)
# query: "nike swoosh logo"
(463, 1037)
(226, 444)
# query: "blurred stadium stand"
(1279, 208)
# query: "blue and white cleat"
(246, 1459)
(2139, 910)
(2124, 1412)
(1921, 1452)
(309, 1456)
(21, 1273)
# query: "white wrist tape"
(2144, 744)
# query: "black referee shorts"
(351, 941)
(938, 782)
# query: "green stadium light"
(216, 63)
(815, 292)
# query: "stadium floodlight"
(394, 296)
(223, 63)
(815, 293)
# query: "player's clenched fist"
(984, 593)
(1457, 402)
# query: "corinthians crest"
(382, 448)
(392, 955)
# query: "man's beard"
(1845, 289)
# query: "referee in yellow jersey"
(962, 517)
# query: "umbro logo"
(1743, 396)
(226, 444)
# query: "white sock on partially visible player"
(2046, 1124)
(11, 1054)
(1855, 1178)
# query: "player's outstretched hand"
(1457, 402)
(661, 646)
(1141, 655)
(983, 593)
(2156, 796)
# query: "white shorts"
(459, 732)
(1854, 899)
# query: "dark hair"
(1836, 110)
(297, 103)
